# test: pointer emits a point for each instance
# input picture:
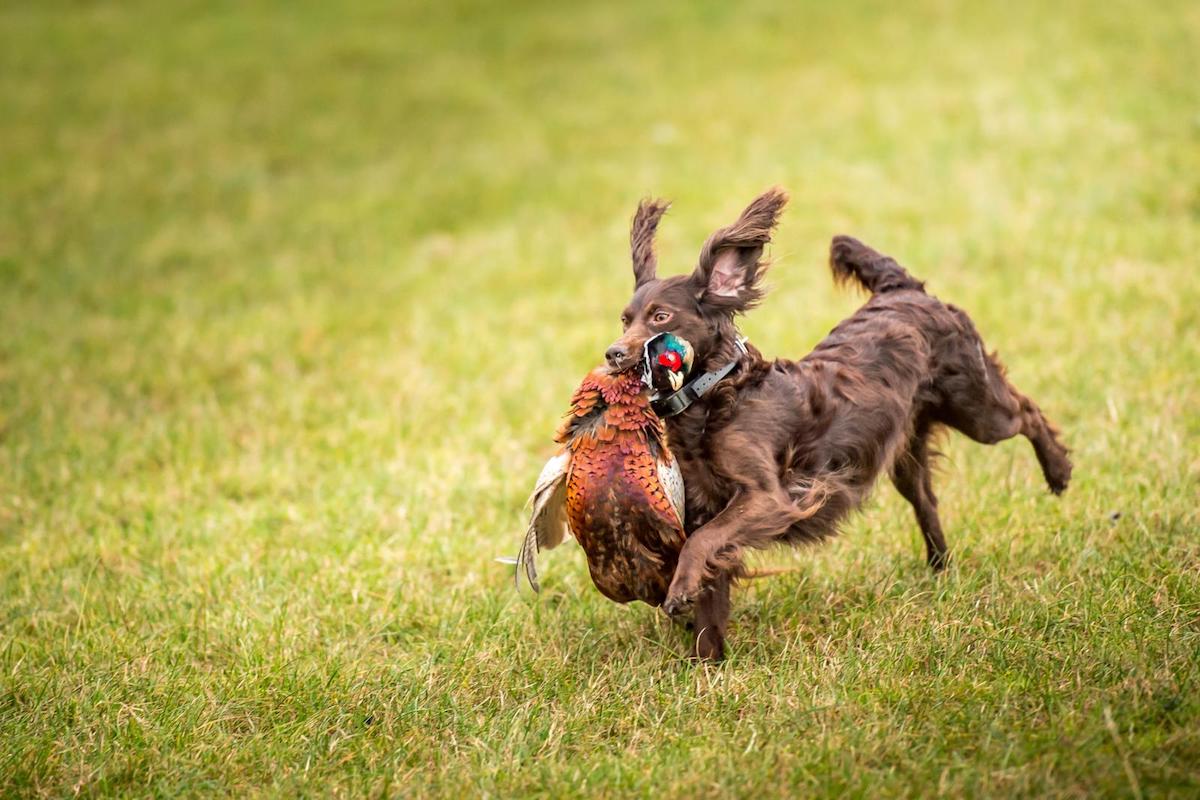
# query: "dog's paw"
(938, 562)
(685, 621)
(679, 604)
(709, 648)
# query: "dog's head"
(699, 307)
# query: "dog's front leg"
(712, 616)
(754, 518)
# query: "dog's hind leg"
(1052, 454)
(913, 479)
(981, 403)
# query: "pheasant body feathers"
(618, 489)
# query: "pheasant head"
(666, 362)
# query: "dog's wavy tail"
(850, 259)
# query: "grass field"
(291, 299)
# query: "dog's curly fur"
(781, 451)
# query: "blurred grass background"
(292, 296)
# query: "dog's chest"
(706, 491)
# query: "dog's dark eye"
(660, 317)
(624, 320)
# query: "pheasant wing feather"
(547, 518)
(671, 480)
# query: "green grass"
(291, 299)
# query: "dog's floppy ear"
(641, 239)
(730, 268)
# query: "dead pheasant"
(615, 486)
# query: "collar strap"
(692, 391)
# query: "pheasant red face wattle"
(671, 360)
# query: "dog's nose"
(615, 355)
